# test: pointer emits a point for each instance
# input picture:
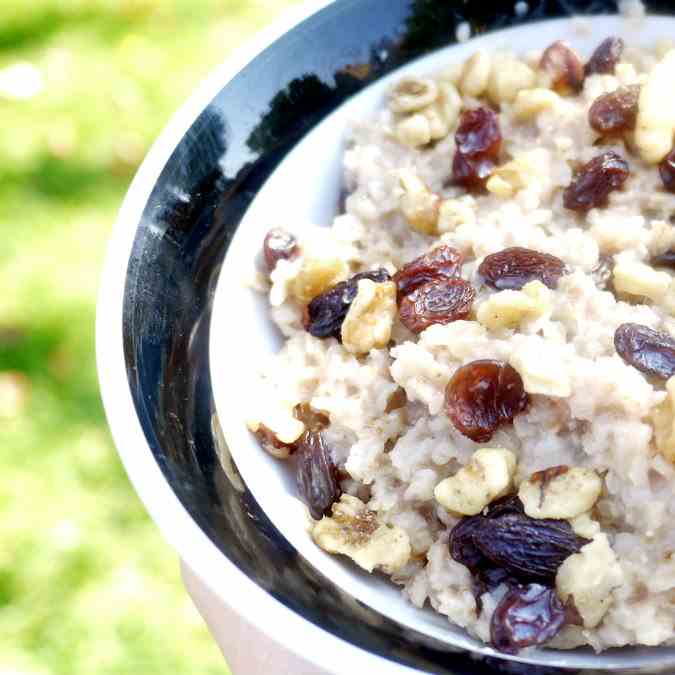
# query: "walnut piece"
(636, 278)
(370, 317)
(560, 492)
(588, 578)
(355, 531)
(419, 204)
(487, 477)
(316, 275)
(507, 309)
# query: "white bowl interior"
(305, 189)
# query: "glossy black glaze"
(182, 238)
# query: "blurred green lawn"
(86, 583)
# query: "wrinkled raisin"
(528, 548)
(615, 112)
(442, 262)
(564, 66)
(526, 616)
(483, 395)
(595, 180)
(279, 245)
(513, 267)
(667, 171)
(648, 350)
(478, 140)
(605, 57)
(438, 301)
(325, 314)
(317, 475)
(666, 259)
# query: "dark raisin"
(483, 395)
(270, 443)
(442, 262)
(478, 140)
(325, 313)
(317, 475)
(505, 506)
(462, 547)
(648, 350)
(666, 259)
(279, 245)
(605, 57)
(615, 112)
(528, 548)
(564, 66)
(595, 180)
(438, 301)
(667, 171)
(526, 616)
(513, 267)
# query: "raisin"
(648, 350)
(615, 112)
(667, 171)
(526, 616)
(528, 548)
(438, 301)
(442, 262)
(666, 259)
(462, 547)
(478, 140)
(605, 57)
(483, 395)
(325, 313)
(513, 267)
(279, 245)
(595, 180)
(564, 66)
(316, 475)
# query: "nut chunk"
(370, 317)
(317, 274)
(560, 492)
(488, 476)
(507, 309)
(656, 112)
(418, 203)
(663, 418)
(355, 531)
(588, 578)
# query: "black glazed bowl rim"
(152, 354)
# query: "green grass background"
(86, 583)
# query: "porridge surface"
(407, 472)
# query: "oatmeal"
(477, 385)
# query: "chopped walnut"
(517, 174)
(419, 204)
(508, 76)
(542, 370)
(316, 275)
(530, 102)
(357, 532)
(560, 492)
(370, 317)
(414, 131)
(588, 578)
(412, 94)
(663, 419)
(487, 477)
(655, 124)
(636, 278)
(507, 309)
(475, 75)
(455, 212)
